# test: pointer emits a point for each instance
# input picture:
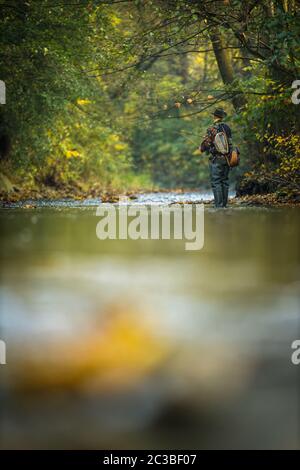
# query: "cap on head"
(219, 113)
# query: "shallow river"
(142, 344)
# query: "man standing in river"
(219, 167)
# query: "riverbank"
(75, 192)
(271, 200)
(28, 195)
(30, 199)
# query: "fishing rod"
(188, 138)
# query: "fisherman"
(219, 165)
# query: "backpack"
(220, 141)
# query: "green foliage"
(54, 113)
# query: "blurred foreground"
(140, 344)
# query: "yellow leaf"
(71, 153)
(119, 146)
(83, 102)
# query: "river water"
(142, 344)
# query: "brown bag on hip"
(234, 157)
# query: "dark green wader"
(219, 177)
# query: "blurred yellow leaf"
(83, 102)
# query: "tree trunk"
(224, 64)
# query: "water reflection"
(141, 344)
